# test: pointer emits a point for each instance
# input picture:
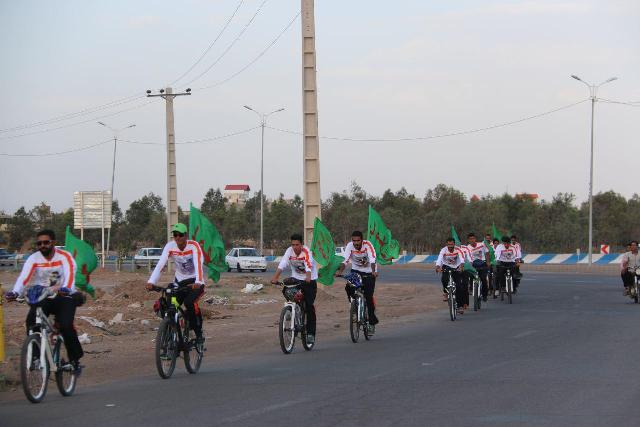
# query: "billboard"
(91, 209)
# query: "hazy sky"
(385, 70)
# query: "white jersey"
(37, 270)
(466, 253)
(451, 259)
(478, 252)
(188, 263)
(361, 260)
(518, 249)
(505, 254)
(300, 264)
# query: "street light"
(263, 123)
(593, 93)
(113, 170)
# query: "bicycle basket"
(354, 279)
(290, 292)
(36, 294)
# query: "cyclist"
(630, 262)
(467, 274)
(362, 257)
(188, 260)
(480, 260)
(303, 267)
(518, 275)
(451, 259)
(507, 259)
(54, 268)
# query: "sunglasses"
(177, 234)
(43, 242)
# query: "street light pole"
(113, 169)
(593, 93)
(263, 123)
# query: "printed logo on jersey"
(297, 265)
(360, 259)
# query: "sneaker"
(496, 294)
(460, 311)
(484, 299)
(371, 329)
(626, 292)
(77, 368)
(311, 339)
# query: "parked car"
(245, 259)
(340, 251)
(6, 257)
(144, 256)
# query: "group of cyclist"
(486, 258)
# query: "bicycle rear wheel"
(452, 307)
(166, 348)
(354, 326)
(34, 372)
(476, 296)
(365, 323)
(65, 378)
(636, 297)
(303, 335)
(193, 352)
(286, 331)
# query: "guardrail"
(114, 264)
(535, 259)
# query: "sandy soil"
(235, 324)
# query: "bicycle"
(508, 288)
(634, 293)
(175, 335)
(42, 352)
(451, 296)
(358, 312)
(293, 317)
(476, 287)
(492, 283)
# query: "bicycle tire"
(354, 326)
(65, 378)
(303, 335)
(192, 354)
(452, 306)
(476, 298)
(509, 291)
(365, 323)
(287, 343)
(33, 341)
(166, 344)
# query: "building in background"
(236, 194)
(527, 196)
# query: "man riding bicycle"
(451, 259)
(303, 268)
(508, 258)
(480, 260)
(188, 260)
(630, 262)
(518, 275)
(55, 269)
(362, 256)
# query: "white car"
(245, 259)
(340, 251)
(147, 256)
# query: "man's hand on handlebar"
(438, 269)
(10, 296)
(150, 286)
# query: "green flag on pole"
(86, 261)
(496, 233)
(324, 253)
(456, 239)
(204, 232)
(379, 235)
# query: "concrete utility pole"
(311, 145)
(593, 94)
(172, 185)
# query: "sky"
(385, 70)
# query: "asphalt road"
(564, 354)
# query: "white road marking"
(525, 333)
(261, 411)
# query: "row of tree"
(420, 225)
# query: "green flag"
(492, 252)
(496, 233)
(379, 235)
(86, 261)
(456, 239)
(324, 253)
(205, 233)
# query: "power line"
(445, 135)
(69, 116)
(254, 60)
(75, 150)
(77, 123)
(611, 101)
(223, 54)
(211, 45)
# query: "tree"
(21, 229)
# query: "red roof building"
(236, 193)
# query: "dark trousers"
(368, 288)
(189, 297)
(501, 273)
(309, 291)
(64, 310)
(461, 288)
(483, 272)
(628, 278)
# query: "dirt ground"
(236, 323)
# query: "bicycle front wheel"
(510, 291)
(354, 326)
(452, 307)
(476, 296)
(65, 378)
(34, 371)
(286, 330)
(193, 351)
(166, 348)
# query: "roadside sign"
(604, 249)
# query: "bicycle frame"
(508, 281)
(45, 347)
